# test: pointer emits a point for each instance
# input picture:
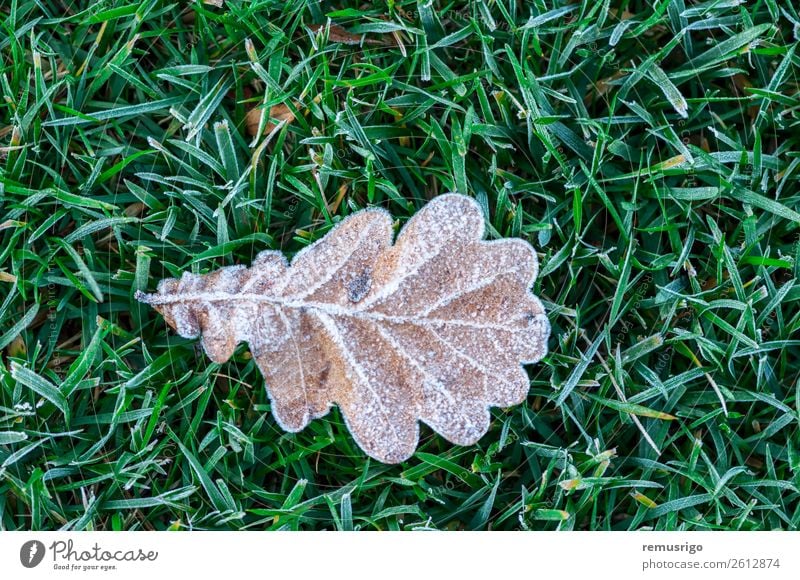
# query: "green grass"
(649, 152)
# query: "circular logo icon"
(31, 553)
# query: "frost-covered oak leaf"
(432, 328)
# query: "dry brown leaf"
(135, 209)
(17, 347)
(434, 327)
(279, 112)
(11, 224)
(339, 34)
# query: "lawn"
(649, 151)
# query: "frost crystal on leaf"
(432, 328)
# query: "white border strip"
(352, 555)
